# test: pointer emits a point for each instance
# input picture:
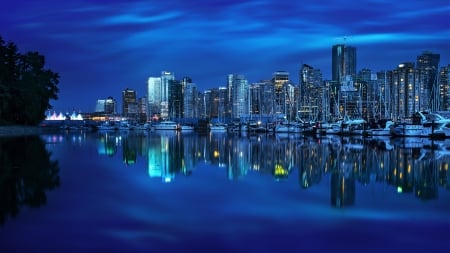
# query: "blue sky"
(99, 48)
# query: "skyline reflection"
(401, 164)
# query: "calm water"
(163, 192)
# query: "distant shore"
(17, 130)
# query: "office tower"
(222, 105)
(428, 67)
(154, 97)
(100, 106)
(110, 106)
(444, 87)
(366, 85)
(166, 80)
(208, 104)
(279, 78)
(384, 96)
(142, 109)
(175, 99)
(239, 97)
(190, 94)
(129, 103)
(311, 93)
(343, 62)
(229, 101)
(406, 98)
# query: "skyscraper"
(428, 67)
(311, 91)
(154, 96)
(279, 79)
(239, 96)
(407, 97)
(444, 85)
(129, 103)
(343, 62)
(166, 78)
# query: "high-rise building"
(444, 87)
(428, 67)
(190, 95)
(239, 97)
(343, 62)
(311, 92)
(406, 87)
(142, 109)
(175, 99)
(129, 103)
(166, 79)
(279, 78)
(154, 96)
(110, 106)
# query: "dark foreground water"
(163, 192)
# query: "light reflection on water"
(150, 190)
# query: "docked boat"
(106, 126)
(218, 127)
(186, 128)
(167, 125)
(352, 126)
(289, 127)
(382, 131)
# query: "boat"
(289, 127)
(186, 128)
(106, 126)
(382, 131)
(167, 125)
(218, 127)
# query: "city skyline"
(99, 50)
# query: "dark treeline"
(26, 86)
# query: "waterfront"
(142, 191)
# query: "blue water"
(136, 192)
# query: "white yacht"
(167, 125)
(218, 127)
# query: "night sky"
(99, 48)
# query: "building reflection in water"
(419, 170)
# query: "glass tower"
(343, 62)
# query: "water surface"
(167, 192)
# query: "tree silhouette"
(26, 86)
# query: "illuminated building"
(129, 103)
(190, 95)
(239, 96)
(343, 62)
(311, 92)
(406, 87)
(167, 79)
(154, 96)
(444, 88)
(428, 67)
